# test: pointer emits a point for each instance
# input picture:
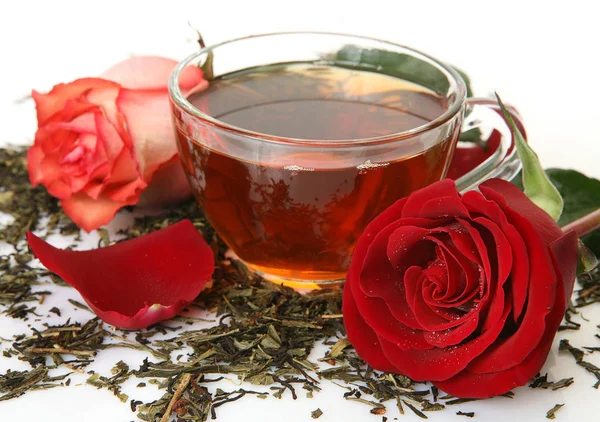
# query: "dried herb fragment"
(590, 289)
(316, 414)
(16, 383)
(578, 355)
(415, 410)
(551, 413)
(467, 414)
(541, 381)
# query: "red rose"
(467, 292)
(102, 141)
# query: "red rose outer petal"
(377, 315)
(415, 201)
(507, 194)
(362, 337)
(376, 307)
(440, 364)
(138, 282)
(379, 279)
(564, 255)
(540, 302)
(542, 283)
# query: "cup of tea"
(301, 139)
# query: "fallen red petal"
(138, 282)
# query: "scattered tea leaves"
(541, 381)
(16, 383)
(578, 355)
(590, 289)
(263, 333)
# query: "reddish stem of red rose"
(584, 225)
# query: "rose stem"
(585, 224)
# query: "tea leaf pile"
(262, 333)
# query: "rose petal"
(384, 320)
(540, 302)
(375, 306)
(89, 213)
(109, 137)
(362, 337)
(405, 247)
(35, 156)
(379, 278)
(55, 181)
(396, 242)
(468, 384)
(508, 195)
(440, 364)
(480, 249)
(431, 318)
(565, 256)
(106, 100)
(462, 274)
(151, 72)
(54, 102)
(466, 158)
(453, 336)
(138, 282)
(501, 255)
(149, 122)
(445, 188)
(168, 185)
(444, 207)
(475, 202)
(123, 183)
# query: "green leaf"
(535, 181)
(581, 196)
(395, 64)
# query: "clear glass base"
(300, 281)
(298, 284)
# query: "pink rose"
(104, 143)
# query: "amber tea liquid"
(297, 216)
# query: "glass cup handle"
(504, 163)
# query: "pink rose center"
(80, 160)
(73, 156)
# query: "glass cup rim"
(177, 97)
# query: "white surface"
(540, 56)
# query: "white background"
(540, 56)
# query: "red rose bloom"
(464, 291)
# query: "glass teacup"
(302, 139)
